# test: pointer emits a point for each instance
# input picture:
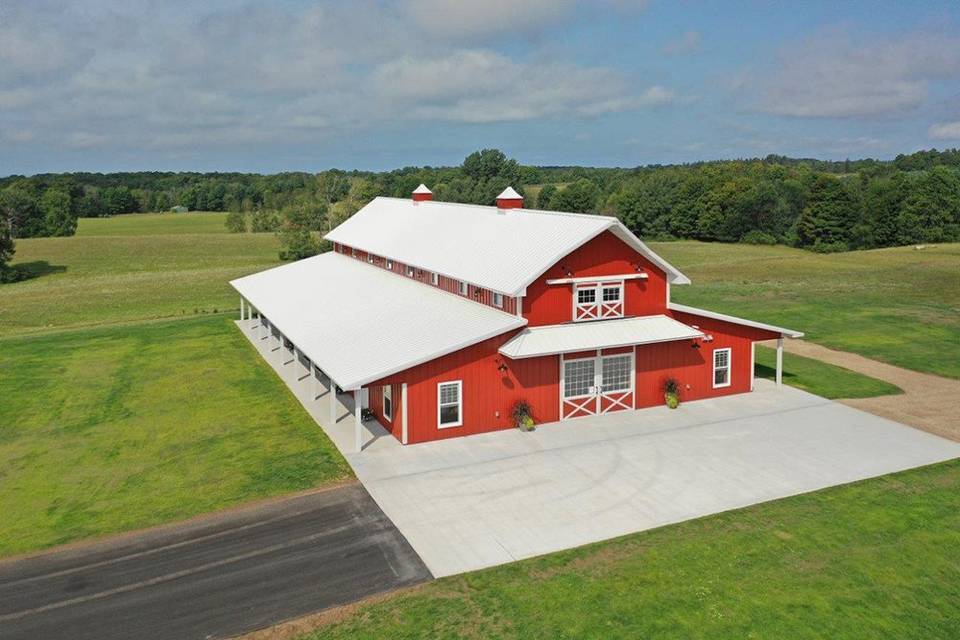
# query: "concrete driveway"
(486, 500)
(479, 501)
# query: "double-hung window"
(498, 299)
(388, 402)
(449, 404)
(721, 368)
(463, 288)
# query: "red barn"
(439, 317)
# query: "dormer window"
(463, 288)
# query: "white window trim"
(459, 421)
(464, 288)
(729, 368)
(498, 300)
(387, 394)
(434, 278)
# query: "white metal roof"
(790, 333)
(599, 334)
(359, 323)
(500, 250)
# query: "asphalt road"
(214, 577)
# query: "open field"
(166, 223)
(89, 280)
(875, 559)
(820, 378)
(898, 305)
(117, 428)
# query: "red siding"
(486, 390)
(605, 255)
(395, 425)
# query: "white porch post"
(403, 411)
(313, 382)
(333, 403)
(779, 362)
(241, 307)
(358, 421)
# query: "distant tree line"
(816, 204)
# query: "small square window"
(463, 288)
(586, 296)
(498, 299)
(611, 294)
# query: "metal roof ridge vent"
(421, 194)
(509, 199)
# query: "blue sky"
(272, 86)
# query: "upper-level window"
(410, 271)
(389, 264)
(498, 299)
(370, 258)
(463, 288)
(721, 368)
(598, 300)
(353, 252)
(434, 278)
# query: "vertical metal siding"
(604, 255)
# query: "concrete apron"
(478, 501)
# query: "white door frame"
(592, 402)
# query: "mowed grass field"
(112, 420)
(899, 305)
(875, 559)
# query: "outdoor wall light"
(502, 366)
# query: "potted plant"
(523, 416)
(671, 392)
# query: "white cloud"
(945, 131)
(686, 43)
(834, 74)
(483, 86)
(460, 19)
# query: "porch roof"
(598, 334)
(359, 323)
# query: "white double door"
(596, 385)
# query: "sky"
(98, 85)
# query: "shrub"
(758, 237)
(236, 222)
(829, 247)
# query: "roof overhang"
(598, 334)
(789, 333)
(360, 323)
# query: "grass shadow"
(37, 268)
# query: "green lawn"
(109, 429)
(88, 280)
(876, 559)
(898, 305)
(138, 224)
(820, 378)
